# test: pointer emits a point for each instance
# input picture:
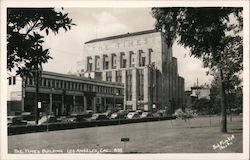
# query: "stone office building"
(63, 94)
(143, 62)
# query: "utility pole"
(36, 92)
(37, 80)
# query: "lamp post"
(116, 94)
(51, 100)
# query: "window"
(68, 85)
(85, 87)
(89, 87)
(143, 61)
(53, 83)
(113, 60)
(14, 80)
(140, 107)
(9, 78)
(61, 84)
(89, 67)
(140, 84)
(123, 63)
(129, 85)
(30, 81)
(118, 76)
(49, 83)
(132, 59)
(57, 84)
(65, 85)
(44, 82)
(109, 76)
(128, 107)
(106, 65)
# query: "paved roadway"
(150, 137)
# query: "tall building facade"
(144, 63)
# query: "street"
(194, 136)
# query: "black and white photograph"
(124, 80)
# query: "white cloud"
(105, 18)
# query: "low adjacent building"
(62, 94)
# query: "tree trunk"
(222, 102)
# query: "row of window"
(123, 59)
(118, 76)
(12, 80)
(59, 84)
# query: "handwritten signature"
(224, 143)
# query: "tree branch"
(31, 28)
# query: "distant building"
(202, 91)
(143, 62)
(62, 94)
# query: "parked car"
(133, 115)
(146, 115)
(47, 119)
(98, 116)
(139, 111)
(28, 116)
(16, 120)
(88, 113)
(161, 113)
(76, 118)
(121, 114)
(108, 113)
(156, 114)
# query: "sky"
(66, 48)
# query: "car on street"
(139, 111)
(88, 113)
(108, 113)
(161, 113)
(74, 117)
(98, 116)
(133, 115)
(146, 115)
(121, 114)
(47, 119)
(16, 120)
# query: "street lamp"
(116, 94)
(51, 100)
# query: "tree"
(202, 106)
(24, 39)
(206, 32)
(233, 92)
(25, 52)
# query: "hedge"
(13, 130)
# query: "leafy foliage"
(24, 41)
(234, 96)
(202, 30)
(210, 34)
(202, 106)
